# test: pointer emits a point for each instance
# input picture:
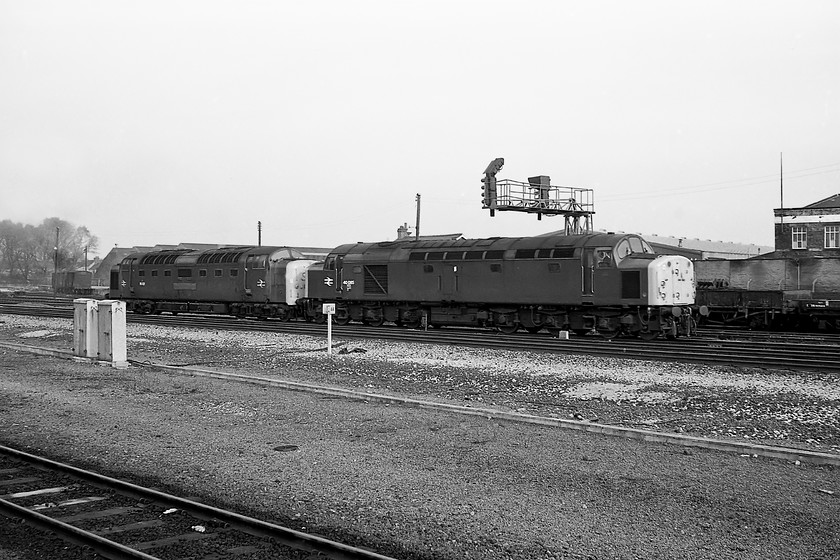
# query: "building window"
(832, 237)
(799, 238)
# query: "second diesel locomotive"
(605, 282)
(609, 283)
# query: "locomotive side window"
(329, 263)
(184, 273)
(202, 273)
(428, 268)
(141, 273)
(167, 273)
(154, 273)
(554, 267)
(234, 272)
(217, 273)
(494, 254)
(495, 268)
(474, 255)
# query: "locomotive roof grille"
(163, 257)
(217, 257)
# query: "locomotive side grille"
(563, 253)
(560, 253)
(631, 284)
(376, 279)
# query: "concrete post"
(85, 328)
(112, 333)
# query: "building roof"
(832, 201)
(711, 249)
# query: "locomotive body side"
(612, 283)
(238, 280)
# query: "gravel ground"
(422, 484)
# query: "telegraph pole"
(55, 261)
(259, 234)
(782, 187)
(417, 225)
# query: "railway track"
(735, 348)
(118, 519)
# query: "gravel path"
(422, 484)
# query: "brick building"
(811, 231)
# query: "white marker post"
(328, 309)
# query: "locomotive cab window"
(631, 245)
(255, 261)
(604, 257)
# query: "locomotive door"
(588, 272)
(339, 272)
(448, 280)
(254, 281)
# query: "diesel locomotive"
(243, 281)
(609, 283)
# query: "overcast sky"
(165, 122)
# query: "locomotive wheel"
(342, 319)
(320, 319)
(374, 321)
(609, 334)
(408, 323)
(508, 329)
(648, 335)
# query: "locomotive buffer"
(538, 196)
